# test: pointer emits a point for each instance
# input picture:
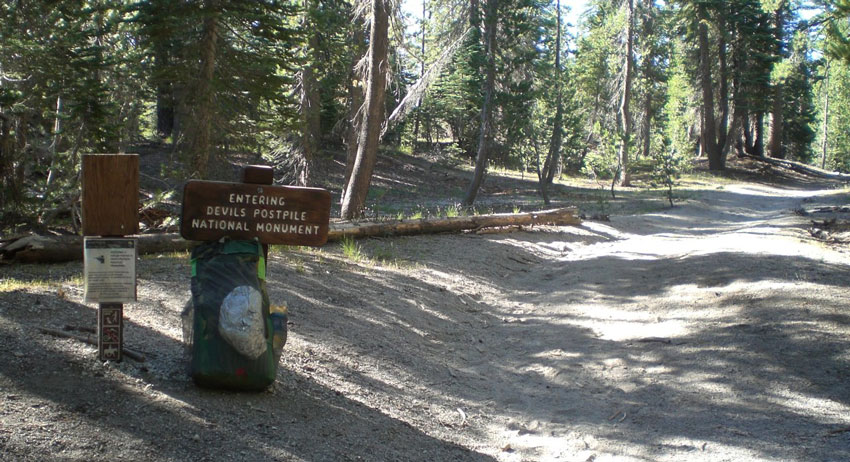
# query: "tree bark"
(625, 114)
(311, 124)
(201, 144)
(418, 117)
(356, 96)
(646, 130)
(7, 147)
(753, 136)
(485, 137)
(54, 147)
(354, 198)
(723, 97)
(775, 135)
(775, 131)
(554, 154)
(825, 141)
(164, 91)
(311, 129)
(709, 130)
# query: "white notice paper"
(110, 270)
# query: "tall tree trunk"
(825, 142)
(625, 114)
(646, 130)
(709, 131)
(164, 111)
(736, 132)
(749, 134)
(8, 187)
(485, 137)
(311, 129)
(553, 156)
(723, 97)
(367, 150)
(164, 93)
(775, 137)
(753, 134)
(736, 129)
(200, 138)
(356, 96)
(54, 146)
(311, 123)
(416, 121)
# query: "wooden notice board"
(110, 194)
(273, 214)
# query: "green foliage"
(98, 76)
(681, 111)
(80, 76)
(838, 138)
(351, 249)
(58, 97)
(601, 163)
(798, 110)
(838, 40)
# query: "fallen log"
(54, 249)
(801, 168)
(35, 248)
(562, 217)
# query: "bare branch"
(417, 91)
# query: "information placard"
(110, 270)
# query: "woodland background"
(636, 85)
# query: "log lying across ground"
(562, 217)
(802, 168)
(53, 249)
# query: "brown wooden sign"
(273, 214)
(110, 194)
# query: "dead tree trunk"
(52, 249)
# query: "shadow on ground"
(152, 411)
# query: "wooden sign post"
(110, 199)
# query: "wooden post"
(259, 174)
(110, 199)
(110, 331)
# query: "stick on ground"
(87, 339)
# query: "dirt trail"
(713, 331)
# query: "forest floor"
(716, 330)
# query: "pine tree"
(357, 188)
(223, 68)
